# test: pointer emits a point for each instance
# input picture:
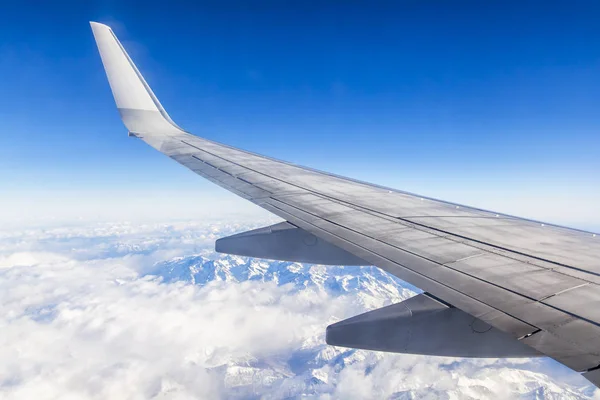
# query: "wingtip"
(95, 24)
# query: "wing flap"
(583, 301)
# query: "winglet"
(139, 108)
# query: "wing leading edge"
(519, 279)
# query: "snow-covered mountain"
(316, 369)
(365, 282)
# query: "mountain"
(365, 282)
(315, 369)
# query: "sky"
(490, 104)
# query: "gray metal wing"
(519, 279)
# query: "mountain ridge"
(314, 367)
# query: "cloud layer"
(85, 312)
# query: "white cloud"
(90, 330)
(29, 259)
(80, 319)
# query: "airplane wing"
(495, 285)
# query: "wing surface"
(536, 282)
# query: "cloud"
(81, 318)
(29, 259)
(93, 328)
(89, 330)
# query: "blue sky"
(492, 104)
